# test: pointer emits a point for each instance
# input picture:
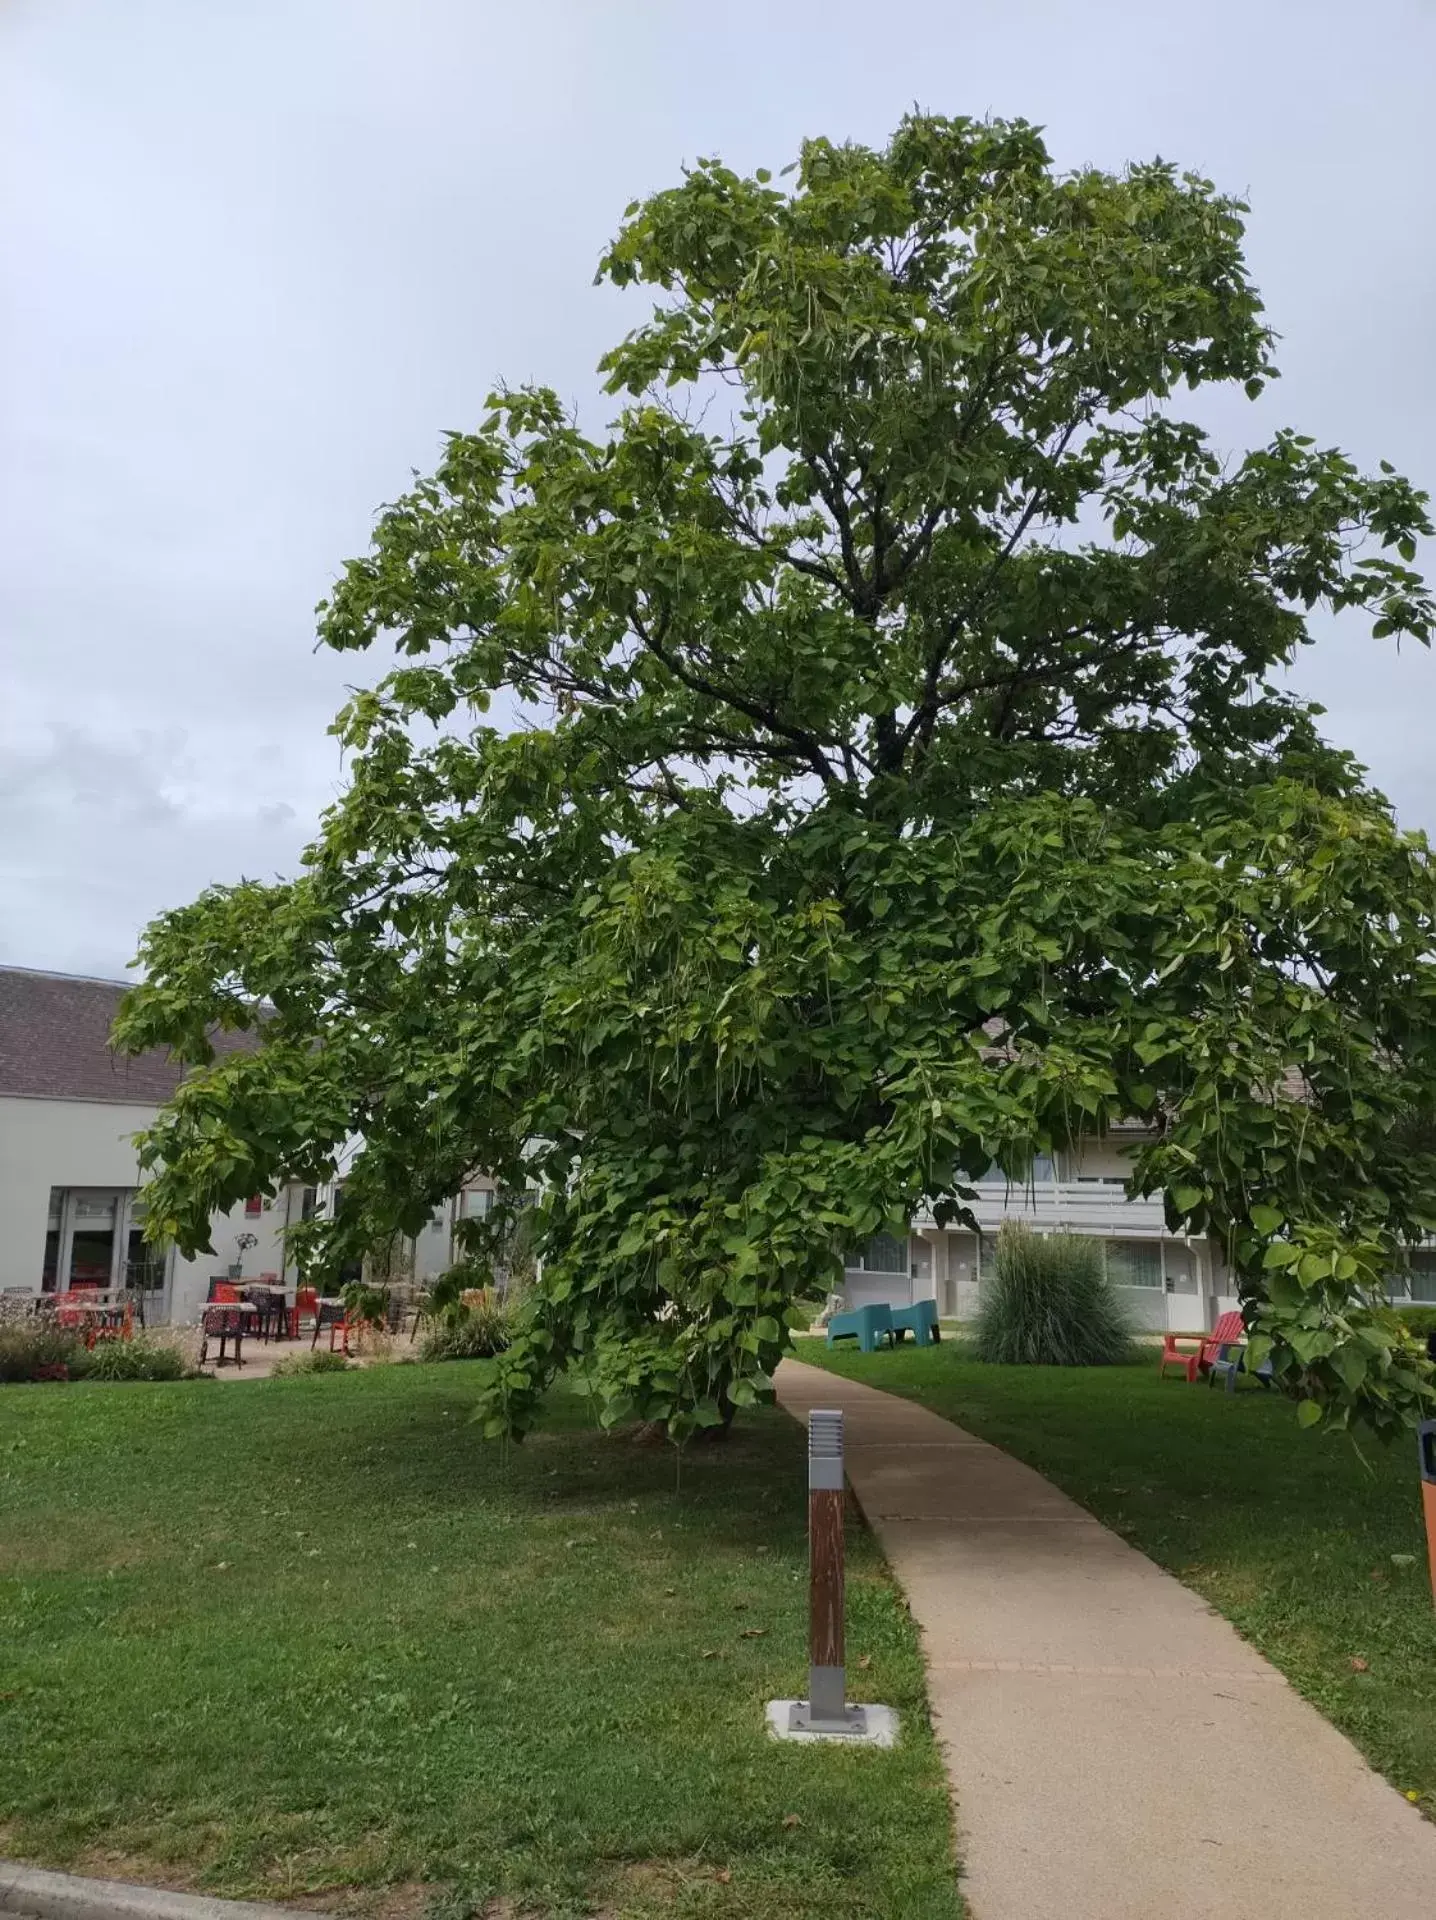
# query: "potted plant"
(242, 1244)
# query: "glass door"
(146, 1266)
(90, 1251)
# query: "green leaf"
(1308, 1413)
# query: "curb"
(62, 1896)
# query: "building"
(1169, 1281)
(70, 1108)
(70, 1193)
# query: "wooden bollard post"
(827, 1678)
(825, 1714)
(1426, 1456)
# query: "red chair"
(1194, 1360)
(225, 1295)
(306, 1300)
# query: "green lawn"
(281, 1636)
(1317, 1555)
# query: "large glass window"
(92, 1242)
(884, 1253)
(1134, 1263)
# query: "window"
(1041, 1172)
(1134, 1263)
(92, 1239)
(477, 1203)
(309, 1203)
(884, 1253)
(1415, 1280)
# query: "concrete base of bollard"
(868, 1726)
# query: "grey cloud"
(86, 772)
(267, 252)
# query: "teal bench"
(920, 1320)
(867, 1325)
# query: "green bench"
(867, 1325)
(871, 1326)
(920, 1320)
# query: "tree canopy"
(867, 761)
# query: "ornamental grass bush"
(138, 1359)
(1050, 1304)
(320, 1360)
(36, 1350)
(477, 1331)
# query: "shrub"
(1418, 1320)
(128, 1360)
(1050, 1304)
(37, 1350)
(477, 1332)
(319, 1361)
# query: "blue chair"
(867, 1325)
(920, 1320)
(1230, 1360)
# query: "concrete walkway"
(1116, 1751)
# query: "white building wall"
(56, 1143)
(90, 1143)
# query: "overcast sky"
(258, 254)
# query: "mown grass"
(1315, 1552)
(286, 1636)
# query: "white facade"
(72, 1213)
(69, 1179)
(1170, 1282)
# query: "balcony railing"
(1082, 1206)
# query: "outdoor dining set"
(266, 1310)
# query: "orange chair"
(1194, 1360)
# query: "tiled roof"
(55, 1042)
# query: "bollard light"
(826, 1714)
(826, 1709)
(1426, 1458)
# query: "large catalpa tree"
(903, 781)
